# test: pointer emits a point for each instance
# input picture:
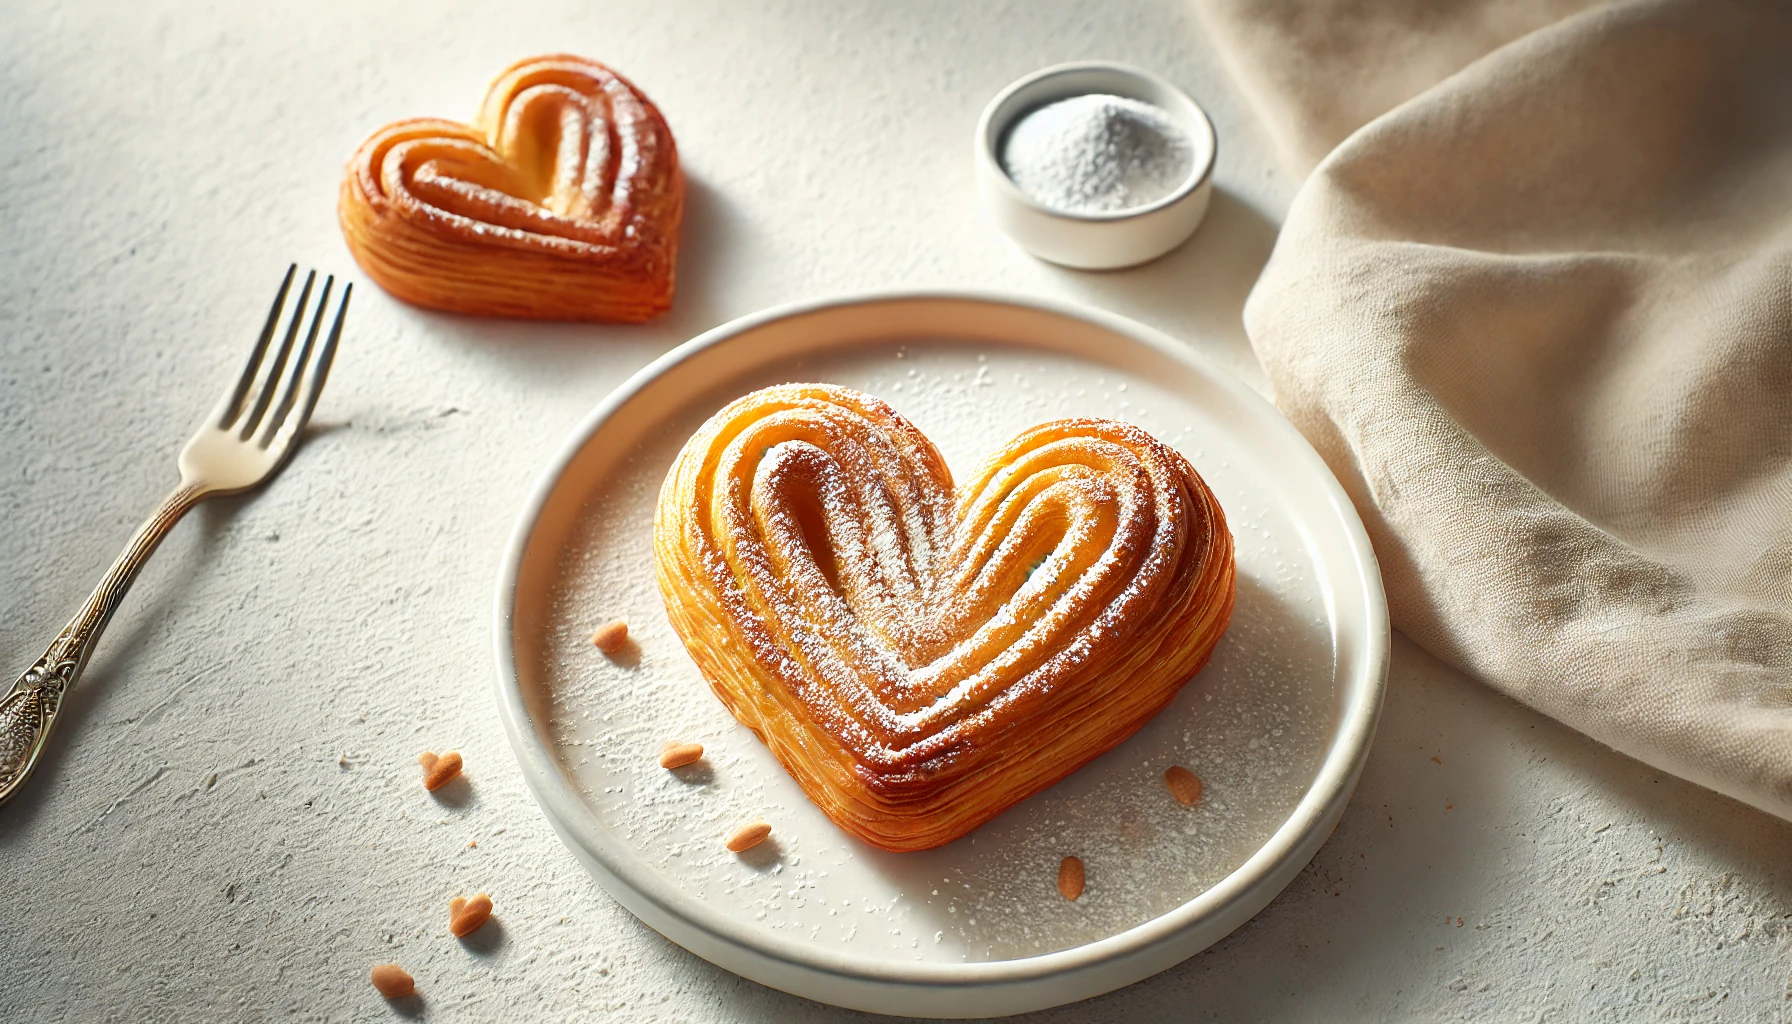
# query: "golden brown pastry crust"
(561, 201)
(921, 661)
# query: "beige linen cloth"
(1535, 310)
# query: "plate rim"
(1329, 791)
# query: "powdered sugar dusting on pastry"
(1251, 725)
(914, 698)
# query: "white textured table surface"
(229, 826)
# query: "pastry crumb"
(677, 755)
(393, 981)
(466, 916)
(611, 637)
(1184, 785)
(439, 771)
(1070, 878)
(748, 836)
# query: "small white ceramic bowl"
(1094, 241)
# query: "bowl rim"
(989, 161)
(1332, 785)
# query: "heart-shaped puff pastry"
(921, 660)
(561, 201)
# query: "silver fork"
(244, 441)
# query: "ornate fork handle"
(29, 712)
(239, 445)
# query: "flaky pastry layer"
(561, 201)
(919, 658)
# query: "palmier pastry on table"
(919, 658)
(561, 201)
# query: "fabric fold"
(1538, 319)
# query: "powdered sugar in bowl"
(1095, 165)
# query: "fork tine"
(232, 406)
(271, 382)
(320, 372)
(295, 374)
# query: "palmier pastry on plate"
(921, 658)
(561, 201)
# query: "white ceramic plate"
(1278, 724)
